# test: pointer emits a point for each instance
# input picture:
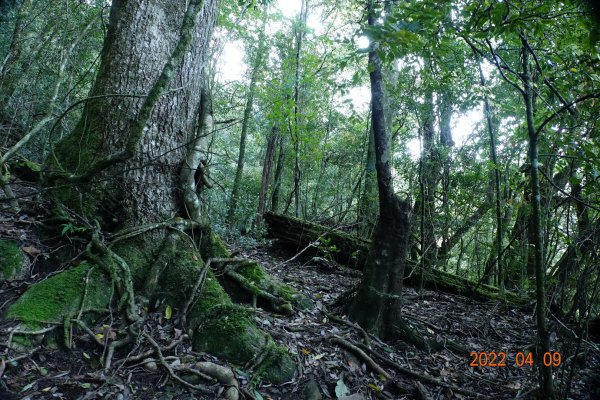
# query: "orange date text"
(521, 359)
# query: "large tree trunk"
(140, 139)
(377, 305)
(142, 188)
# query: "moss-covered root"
(14, 264)
(248, 281)
(61, 298)
(218, 326)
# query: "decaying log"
(352, 251)
(344, 248)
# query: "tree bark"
(277, 179)
(501, 275)
(147, 100)
(540, 273)
(367, 204)
(446, 144)
(428, 178)
(266, 175)
(377, 305)
(139, 188)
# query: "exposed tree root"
(250, 277)
(172, 374)
(356, 349)
(275, 303)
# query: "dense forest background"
(455, 144)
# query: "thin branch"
(565, 108)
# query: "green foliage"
(71, 229)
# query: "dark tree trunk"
(277, 179)
(428, 178)
(266, 175)
(547, 387)
(377, 305)
(367, 204)
(501, 275)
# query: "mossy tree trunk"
(143, 188)
(377, 305)
(128, 161)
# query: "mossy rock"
(14, 264)
(60, 296)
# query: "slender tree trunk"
(239, 172)
(501, 275)
(323, 164)
(7, 68)
(266, 175)
(428, 179)
(540, 273)
(377, 306)
(277, 179)
(446, 144)
(295, 131)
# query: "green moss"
(218, 326)
(55, 298)
(132, 251)
(256, 274)
(213, 246)
(13, 263)
(230, 334)
(279, 367)
(86, 137)
(178, 279)
(253, 272)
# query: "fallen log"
(352, 251)
(346, 249)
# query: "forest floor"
(317, 338)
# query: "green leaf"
(27, 387)
(257, 395)
(341, 389)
